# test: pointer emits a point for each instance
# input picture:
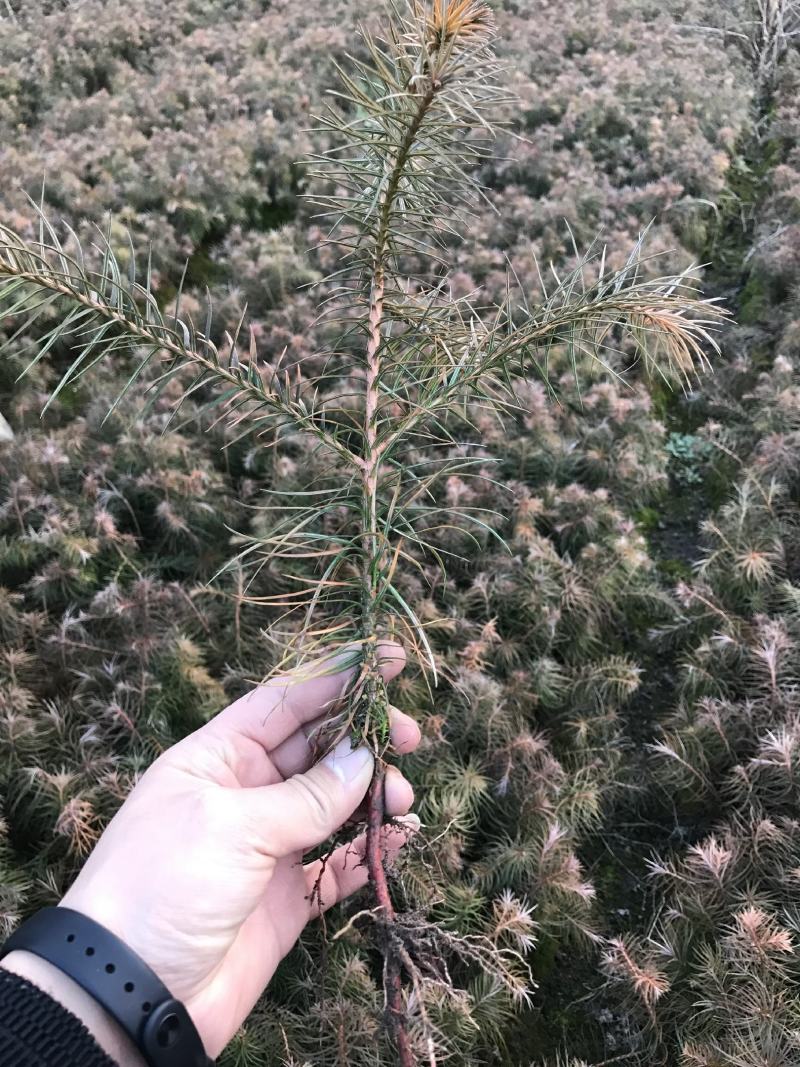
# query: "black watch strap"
(118, 979)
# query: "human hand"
(200, 872)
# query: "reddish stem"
(372, 546)
(377, 875)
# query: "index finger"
(274, 711)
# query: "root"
(392, 972)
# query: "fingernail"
(411, 821)
(348, 762)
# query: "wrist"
(105, 1030)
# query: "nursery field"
(609, 776)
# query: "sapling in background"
(390, 413)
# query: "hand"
(200, 872)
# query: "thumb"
(302, 812)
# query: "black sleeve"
(36, 1031)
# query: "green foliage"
(595, 710)
(688, 453)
